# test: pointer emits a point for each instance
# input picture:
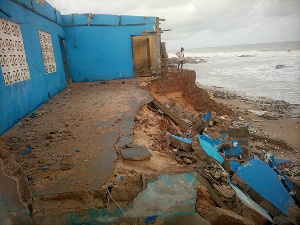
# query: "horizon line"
(219, 46)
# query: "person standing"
(180, 57)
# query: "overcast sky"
(205, 23)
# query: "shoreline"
(281, 126)
(291, 110)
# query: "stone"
(187, 160)
(49, 136)
(227, 191)
(222, 216)
(199, 125)
(136, 153)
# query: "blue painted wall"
(20, 99)
(258, 175)
(103, 50)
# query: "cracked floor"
(74, 136)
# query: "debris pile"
(239, 178)
(178, 145)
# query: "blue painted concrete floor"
(73, 136)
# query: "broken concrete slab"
(136, 153)
(234, 165)
(169, 195)
(250, 203)
(196, 146)
(269, 160)
(284, 163)
(218, 216)
(227, 192)
(241, 134)
(127, 128)
(235, 150)
(259, 176)
(180, 143)
(172, 115)
(123, 142)
(255, 196)
(210, 147)
(199, 125)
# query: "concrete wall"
(103, 50)
(19, 99)
(169, 196)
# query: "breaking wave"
(253, 53)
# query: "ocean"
(250, 69)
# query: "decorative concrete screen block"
(12, 56)
(48, 54)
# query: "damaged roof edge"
(105, 20)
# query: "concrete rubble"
(179, 158)
(225, 160)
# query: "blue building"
(42, 50)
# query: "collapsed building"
(82, 145)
